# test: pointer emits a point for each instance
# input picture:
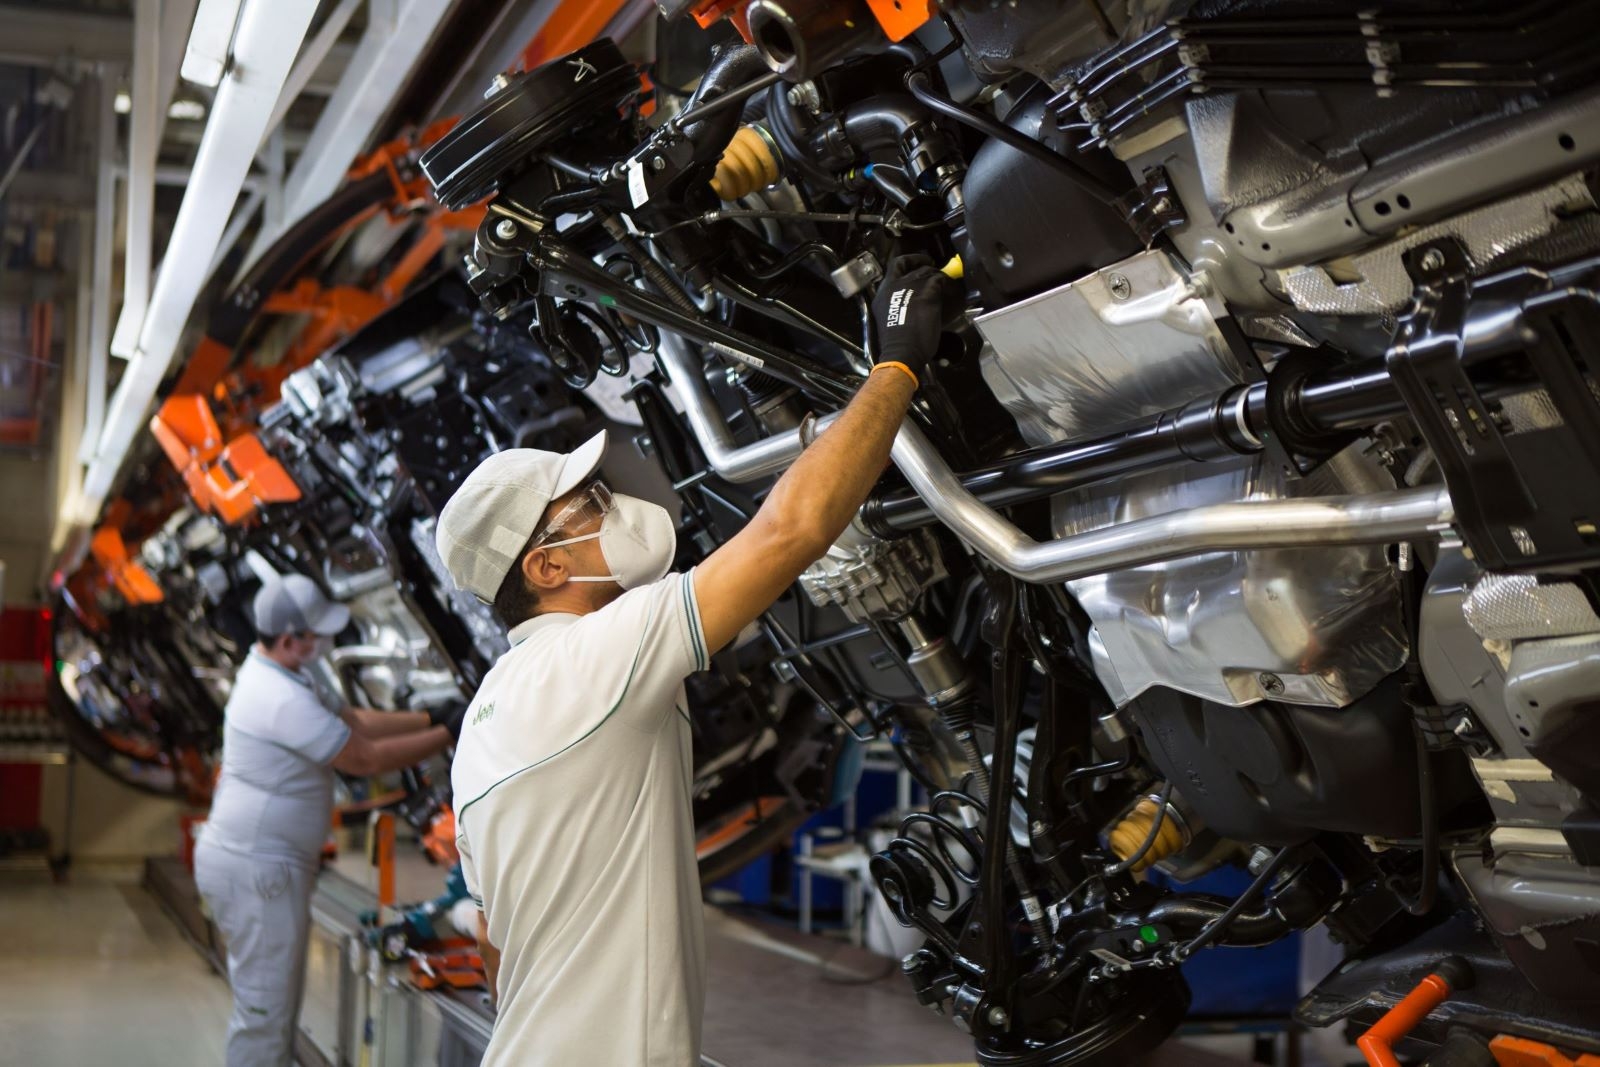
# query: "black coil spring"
(943, 831)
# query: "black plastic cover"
(1276, 774)
(1029, 226)
(533, 112)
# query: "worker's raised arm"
(816, 498)
(363, 756)
(374, 724)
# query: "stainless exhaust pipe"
(734, 462)
(1374, 518)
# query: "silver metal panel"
(322, 1004)
(1375, 282)
(1504, 607)
(1303, 625)
(1300, 625)
(1458, 668)
(1106, 350)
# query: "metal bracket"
(1152, 208)
(1526, 499)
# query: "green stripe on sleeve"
(692, 607)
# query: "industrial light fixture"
(123, 102)
(206, 57)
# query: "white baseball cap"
(293, 604)
(486, 523)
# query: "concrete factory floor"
(95, 972)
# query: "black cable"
(732, 96)
(794, 258)
(921, 87)
(1429, 890)
(1100, 770)
(569, 200)
(1216, 927)
(851, 218)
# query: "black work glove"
(450, 716)
(908, 312)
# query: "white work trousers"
(263, 907)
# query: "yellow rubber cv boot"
(1130, 833)
(747, 164)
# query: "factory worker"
(257, 859)
(573, 776)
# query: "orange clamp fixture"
(1521, 1052)
(1377, 1044)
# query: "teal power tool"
(415, 929)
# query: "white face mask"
(637, 539)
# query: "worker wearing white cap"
(257, 860)
(572, 779)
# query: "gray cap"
(484, 526)
(292, 604)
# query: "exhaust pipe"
(736, 463)
(1375, 518)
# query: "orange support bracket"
(1521, 1052)
(381, 852)
(1377, 1044)
(127, 575)
(187, 430)
(901, 18)
(269, 483)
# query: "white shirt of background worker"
(257, 859)
(573, 774)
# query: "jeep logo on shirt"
(485, 712)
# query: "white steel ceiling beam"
(312, 57)
(205, 57)
(105, 212)
(396, 34)
(268, 37)
(177, 17)
(144, 144)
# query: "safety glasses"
(590, 505)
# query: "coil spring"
(937, 857)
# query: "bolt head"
(498, 82)
(998, 1016)
(1433, 259)
(505, 229)
(658, 164)
(1120, 287)
(1270, 683)
(1162, 205)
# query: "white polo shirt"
(280, 735)
(572, 785)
